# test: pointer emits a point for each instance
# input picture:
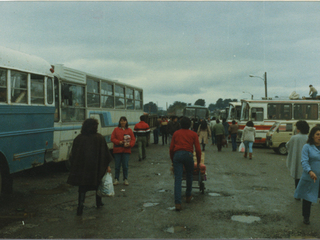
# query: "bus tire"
(282, 149)
(6, 182)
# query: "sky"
(176, 51)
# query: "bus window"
(129, 98)
(37, 89)
(119, 93)
(3, 85)
(306, 111)
(93, 93)
(18, 87)
(138, 100)
(257, 114)
(201, 113)
(107, 97)
(49, 91)
(279, 111)
(72, 97)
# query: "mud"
(44, 206)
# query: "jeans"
(313, 95)
(213, 137)
(164, 137)
(248, 146)
(180, 159)
(234, 141)
(219, 142)
(156, 135)
(142, 142)
(121, 159)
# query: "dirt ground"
(261, 190)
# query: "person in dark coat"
(90, 158)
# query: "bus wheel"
(6, 183)
(283, 149)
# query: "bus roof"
(77, 76)
(195, 106)
(235, 103)
(282, 101)
(16, 60)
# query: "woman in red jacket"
(123, 140)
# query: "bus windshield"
(244, 111)
(234, 112)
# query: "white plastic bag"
(241, 147)
(105, 188)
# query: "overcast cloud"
(176, 51)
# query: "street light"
(250, 94)
(265, 82)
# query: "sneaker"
(116, 182)
(126, 182)
(188, 199)
(178, 207)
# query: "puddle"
(150, 204)
(176, 229)
(245, 219)
(214, 194)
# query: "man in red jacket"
(142, 130)
(181, 154)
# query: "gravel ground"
(243, 199)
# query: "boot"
(250, 155)
(99, 202)
(82, 196)
(245, 155)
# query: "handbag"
(106, 188)
(241, 147)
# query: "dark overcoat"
(90, 158)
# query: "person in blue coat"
(308, 187)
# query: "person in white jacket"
(248, 136)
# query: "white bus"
(80, 95)
(234, 112)
(264, 113)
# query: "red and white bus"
(264, 113)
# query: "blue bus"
(43, 106)
(27, 113)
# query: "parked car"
(281, 132)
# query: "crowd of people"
(90, 155)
